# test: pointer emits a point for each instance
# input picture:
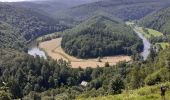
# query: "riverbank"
(53, 49)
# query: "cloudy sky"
(12, 0)
(15, 0)
(31, 0)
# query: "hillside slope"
(101, 36)
(124, 9)
(144, 93)
(10, 37)
(159, 20)
(51, 6)
(29, 24)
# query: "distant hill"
(10, 37)
(75, 11)
(159, 20)
(51, 6)
(101, 36)
(124, 9)
(24, 23)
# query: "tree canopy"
(101, 36)
(159, 20)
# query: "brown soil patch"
(54, 50)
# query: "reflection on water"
(37, 52)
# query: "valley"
(54, 50)
(85, 50)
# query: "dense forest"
(24, 24)
(101, 36)
(51, 6)
(10, 37)
(67, 12)
(31, 76)
(34, 78)
(124, 9)
(159, 20)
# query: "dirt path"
(54, 50)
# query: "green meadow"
(164, 45)
(148, 33)
(145, 93)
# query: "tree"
(136, 78)
(51, 82)
(107, 64)
(116, 85)
(152, 54)
(15, 90)
(27, 89)
(4, 96)
(34, 96)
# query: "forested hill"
(10, 37)
(51, 6)
(159, 20)
(29, 24)
(124, 9)
(101, 36)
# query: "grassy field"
(164, 45)
(54, 50)
(145, 93)
(154, 33)
(150, 32)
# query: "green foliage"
(24, 74)
(101, 36)
(4, 96)
(50, 78)
(10, 37)
(116, 85)
(159, 21)
(19, 26)
(162, 75)
(163, 45)
(106, 64)
(126, 10)
(49, 36)
(144, 93)
(21, 74)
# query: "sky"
(14, 0)
(23, 0)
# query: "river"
(35, 51)
(146, 43)
(145, 53)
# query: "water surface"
(35, 51)
(146, 43)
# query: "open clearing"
(151, 32)
(164, 45)
(54, 50)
